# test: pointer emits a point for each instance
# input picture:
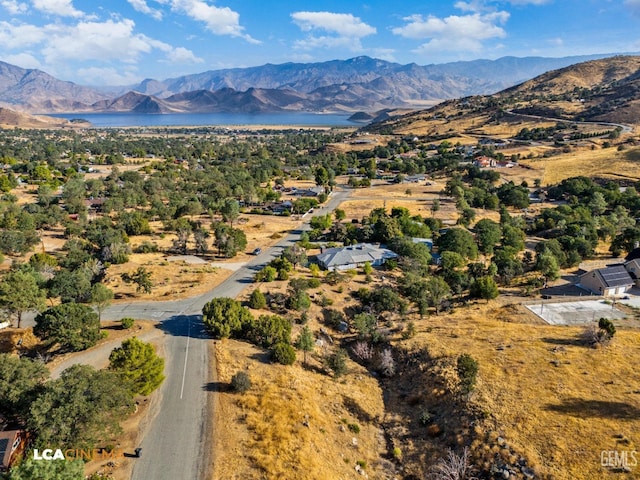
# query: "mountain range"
(357, 84)
(604, 90)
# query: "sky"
(121, 42)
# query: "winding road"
(177, 443)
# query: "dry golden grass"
(293, 422)
(556, 401)
(601, 162)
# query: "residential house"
(353, 256)
(608, 281)
(632, 264)
(12, 444)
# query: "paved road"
(176, 444)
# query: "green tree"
(284, 353)
(81, 408)
(467, 368)
(230, 210)
(142, 278)
(305, 342)
(257, 299)
(30, 469)
(101, 297)
(269, 330)
(365, 324)
(229, 240)
(72, 326)
(139, 365)
(488, 234)
(484, 287)
(339, 214)
(267, 274)
(20, 381)
(436, 291)
(295, 254)
(337, 362)
(226, 317)
(547, 265)
(127, 322)
(71, 285)
(19, 292)
(460, 241)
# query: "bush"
(354, 427)
(284, 353)
(337, 363)
(257, 300)
(127, 322)
(240, 382)
(147, 247)
(467, 368)
(425, 417)
(267, 274)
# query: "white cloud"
(463, 33)
(109, 40)
(61, 8)
(20, 36)
(219, 20)
(343, 29)
(344, 24)
(14, 7)
(182, 55)
(24, 60)
(529, 2)
(142, 7)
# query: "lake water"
(201, 119)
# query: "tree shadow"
(184, 326)
(579, 407)
(569, 342)
(219, 387)
(262, 357)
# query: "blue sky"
(116, 42)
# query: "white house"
(609, 281)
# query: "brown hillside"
(12, 119)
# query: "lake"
(303, 119)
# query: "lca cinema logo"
(50, 454)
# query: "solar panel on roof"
(615, 276)
(4, 445)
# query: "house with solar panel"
(608, 282)
(12, 445)
(353, 256)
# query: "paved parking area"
(575, 313)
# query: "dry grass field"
(541, 396)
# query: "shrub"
(386, 363)
(467, 368)
(454, 467)
(267, 274)
(284, 353)
(397, 453)
(337, 362)
(257, 300)
(240, 382)
(147, 247)
(354, 427)
(127, 322)
(409, 332)
(333, 317)
(425, 417)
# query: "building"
(12, 444)
(608, 281)
(353, 256)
